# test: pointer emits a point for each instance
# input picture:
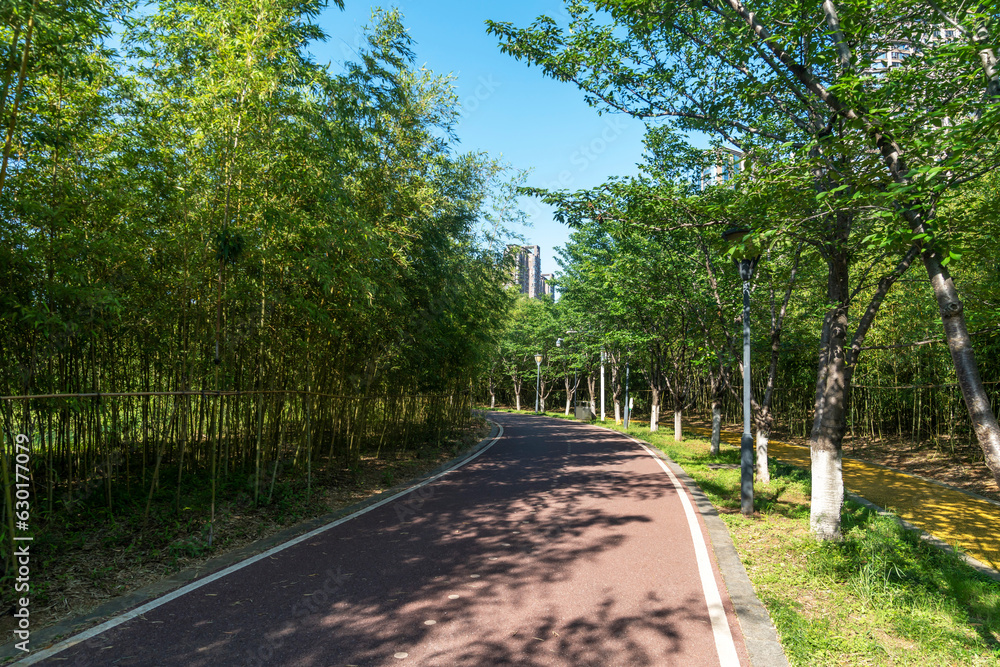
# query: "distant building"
(527, 269)
(548, 289)
(526, 272)
(897, 52)
(729, 163)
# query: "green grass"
(881, 596)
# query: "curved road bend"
(563, 544)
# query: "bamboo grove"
(224, 264)
(858, 145)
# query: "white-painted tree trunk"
(654, 418)
(716, 427)
(763, 474)
(517, 400)
(827, 494)
(618, 412)
(677, 425)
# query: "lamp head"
(538, 359)
(736, 239)
(743, 250)
(558, 342)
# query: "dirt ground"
(963, 469)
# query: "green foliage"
(211, 210)
(866, 169)
(217, 189)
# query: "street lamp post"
(538, 384)
(746, 262)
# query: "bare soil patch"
(960, 464)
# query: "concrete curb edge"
(759, 633)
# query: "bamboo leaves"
(206, 215)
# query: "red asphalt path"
(563, 544)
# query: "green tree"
(773, 78)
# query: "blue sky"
(509, 109)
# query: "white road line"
(194, 585)
(720, 625)
(724, 644)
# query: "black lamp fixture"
(743, 250)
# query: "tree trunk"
(984, 422)
(677, 423)
(763, 421)
(543, 395)
(763, 416)
(829, 425)
(654, 410)
(763, 474)
(616, 388)
(716, 425)
(569, 397)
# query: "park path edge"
(49, 636)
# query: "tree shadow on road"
(511, 560)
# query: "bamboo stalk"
(182, 446)
(18, 94)
(277, 458)
(256, 476)
(211, 516)
(308, 448)
(156, 471)
(8, 486)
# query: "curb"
(47, 637)
(759, 634)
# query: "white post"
(538, 384)
(602, 385)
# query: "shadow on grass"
(906, 581)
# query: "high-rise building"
(728, 164)
(897, 52)
(527, 269)
(548, 289)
